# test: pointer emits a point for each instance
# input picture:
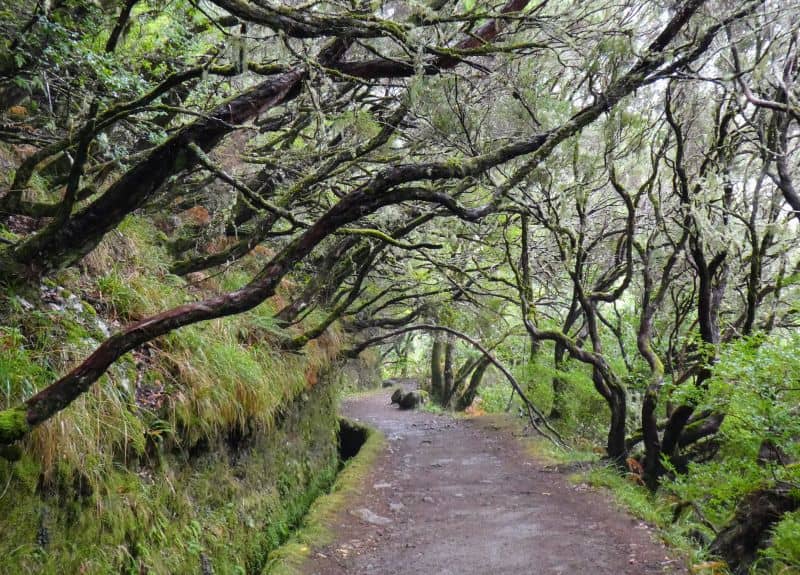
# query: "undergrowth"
(199, 451)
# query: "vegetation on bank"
(694, 505)
(200, 454)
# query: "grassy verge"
(314, 531)
(223, 510)
(656, 510)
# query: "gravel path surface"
(461, 497)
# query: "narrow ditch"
(351, 438)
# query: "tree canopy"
(603, 188)
(611, 183)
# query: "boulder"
(408, 399)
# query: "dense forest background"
(215, 214)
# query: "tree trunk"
(468, 396)
(449, 376)
(653, 468)
(616, 447)
(406, 352)
(437, 377)
(739, 542)
(527, 285)
(558, 409)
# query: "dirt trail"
(461, 497)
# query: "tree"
(456, 185)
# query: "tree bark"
(437, 376)
(468, 395)
(739, 542)
(59, 246)
(449, 376)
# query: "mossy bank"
(197, 453)
(218, 508)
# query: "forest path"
(460, 496)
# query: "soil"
(461, 496)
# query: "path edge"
(316, 528)
(539, 450)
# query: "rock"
(408, 399)
(411, 400)
(370, 517)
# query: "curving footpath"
(460, 496)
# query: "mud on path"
(461, 497)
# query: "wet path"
(461, 497)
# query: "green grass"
(785, 549)
(111, 486)
(433, 407)
(656, 510)
(165, 517)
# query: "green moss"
(8, 235)
(228, 506)
(206, 448)
(13, 424)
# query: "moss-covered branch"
(379, 235)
